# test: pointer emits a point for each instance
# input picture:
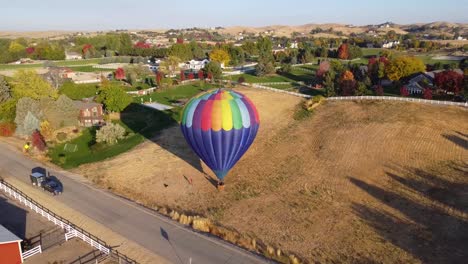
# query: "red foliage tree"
(182, 75)
(427, 94)
(119, 74)
(404, 91)
(158, 78)
(343, 51)
(86, 47)
(30, 50)
(324, 67)
(191, 76)
(379, 90)
(180, 41)
(38, 140)
(449, 81)
(142, 45)
(210, 76)
(7, 129)
(201, 75)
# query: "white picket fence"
(32, 252)
(69, 228)
(392, 98)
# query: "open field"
(86, 62)
(382, 181)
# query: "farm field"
(382, 181)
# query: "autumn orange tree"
(347, 82)
(343, 51)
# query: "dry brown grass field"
(355, 182)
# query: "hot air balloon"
(220, 126)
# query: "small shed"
(10, 247)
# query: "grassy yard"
(140, 123)
(250, 78)
(169, 95)
(368, 52)
(41, 64)
(79, 91)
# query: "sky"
(28, 15)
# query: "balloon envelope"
(220, 126)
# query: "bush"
(38, 140)
(7, 129)
(110, 133)
(241, 79)
(61, 136)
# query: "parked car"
(52, 186)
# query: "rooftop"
(6, 236)
(85, 105)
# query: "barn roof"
(7, 237)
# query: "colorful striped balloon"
(220, 126)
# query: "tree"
(329, 83)
(220, 56)
(286, 68)
(264, 67)
(354, 52)
(347, 82)
(404, 66)
(181, 51)
(119, 74)
(343, 51)
(28, 126)
(361, 89)
(68, 112)
(170, 65)
(38, 140)
(46, 130)
(8, 110)
(7, 129)
(5, 91)
(379, 90)
(114, 98)
(250, 48)
(54, 77)
(182, 75)
(213, 70)
(264, 47)
(200, 75)
(324, 67)
(24, 106)
(110, 133)
(29, 84)
(404, 91)
(449, 81)
(191, 76)
(197, 51)
(427, 94)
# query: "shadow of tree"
(459, 140)
(150, 122)
(431, 223)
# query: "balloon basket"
(220, 186)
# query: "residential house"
(70, 55)
(91, 113)
(390, 44)
(10, 247)
(418, 82)
(194, 65)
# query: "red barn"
(10, 247)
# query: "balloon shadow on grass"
(149, 123)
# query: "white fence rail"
(53, 218)
(32, 252)
(392, 98)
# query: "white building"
(391, 44)
(70, 55)
(194, 64)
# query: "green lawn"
(169, 95)
(250, 78)
(79, 91)
(58, 63)
(140, 122)
(367, 52)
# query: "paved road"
(130, 220)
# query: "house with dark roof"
(91, 113)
